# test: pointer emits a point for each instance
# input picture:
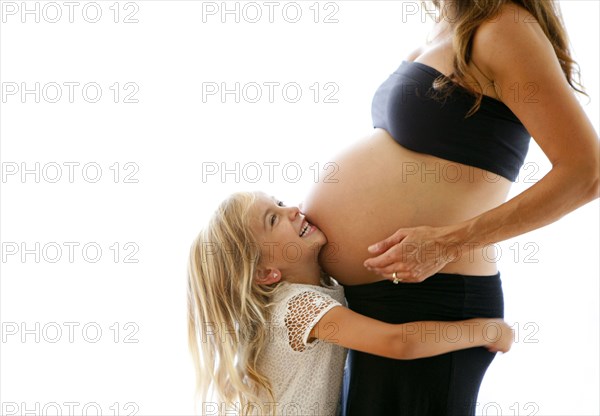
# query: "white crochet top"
(306, 377)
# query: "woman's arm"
(408, 341)
(518, 57)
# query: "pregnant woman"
(430, 186)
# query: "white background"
(169, 136)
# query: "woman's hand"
(411, 255)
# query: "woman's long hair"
(468, 15)
(227, 311)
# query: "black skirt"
(444, 385)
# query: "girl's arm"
(412, 340)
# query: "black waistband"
(443, 296)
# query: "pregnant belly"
(380, 186)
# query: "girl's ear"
(267, 276)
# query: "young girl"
(268, 330)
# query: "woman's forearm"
(413, 254)
(558, 193)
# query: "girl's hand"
(411, 255)
(499, 335)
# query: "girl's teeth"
(304, 230)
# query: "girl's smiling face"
(288, 242)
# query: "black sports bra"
(493, 138)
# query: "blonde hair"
(470, 14)
(228, 311)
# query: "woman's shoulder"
(512, 33)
